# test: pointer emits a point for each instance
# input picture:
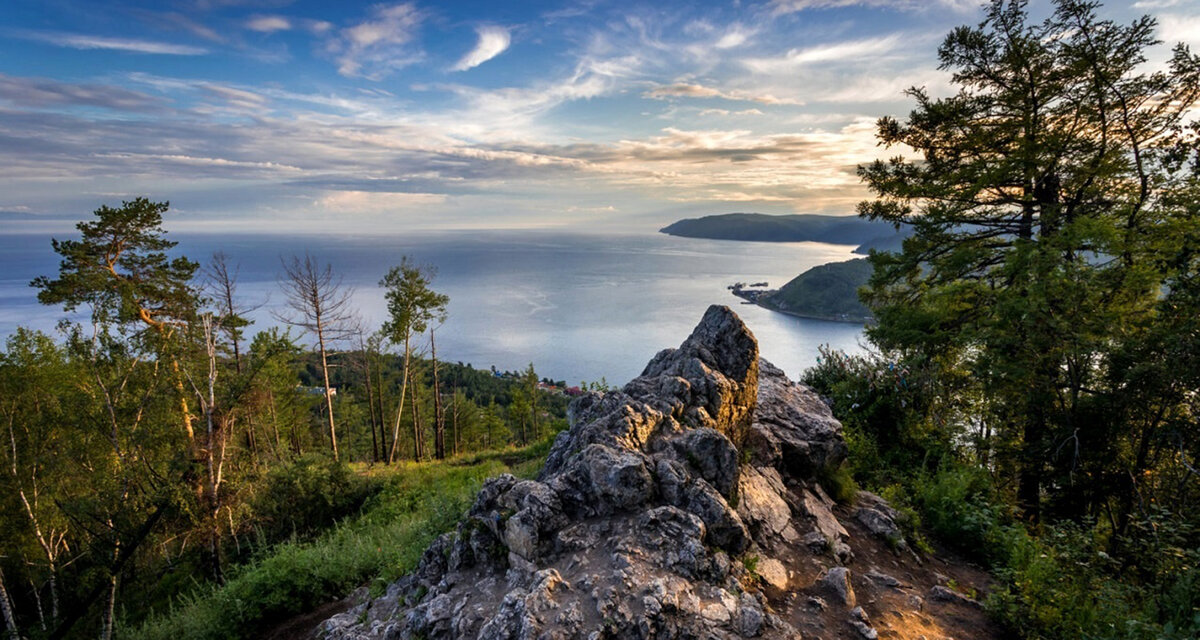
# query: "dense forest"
(156, 444)
(1034, 396)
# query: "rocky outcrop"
(684, 505)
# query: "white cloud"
(379, 45)
(735, 37)
(86, 42)
(375, 202)
(493, 41)
(268, 24)
(1174, 27)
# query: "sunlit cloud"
(372, 202)
(492, 42)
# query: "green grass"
(417, 503)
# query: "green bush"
(308, 495)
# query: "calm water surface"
(579, 306)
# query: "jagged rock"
(882, 525)
(773, 573)
(760, 504)
(816, 542)
(750, 616)
(822, 514)
(645, 515)
(725, 527)
(795, 421)
(874, 575)
(836, 582)
(862, 624)
(713, 456)
(946, 594)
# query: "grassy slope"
(829, 291)
(418, 503)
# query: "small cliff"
(684, 505)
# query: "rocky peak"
(683, 505)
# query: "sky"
(326, 117)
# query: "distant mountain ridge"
(761, 227)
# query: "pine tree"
(1037, 204)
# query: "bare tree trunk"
(418, 436)
(37, 601)
(328, 389)
(400, 407)
(106, 624)
(106, 628)
(383, 448)
(6, 607)
(454, 420)
(439, 420)
(371, 405)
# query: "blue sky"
(381, 117)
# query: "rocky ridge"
(685, 505)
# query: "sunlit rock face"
(684, 505)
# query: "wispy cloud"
(792, 6)
(853, 51)
(687, 90)
(269, 24)
(493, 41)
(379, 45)
(44, 92)
(86, 42)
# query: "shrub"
(308, 495)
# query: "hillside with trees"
(1034, 394)
(156, 446)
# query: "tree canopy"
(1048, 219)
(121, 269)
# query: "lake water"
(579, 306)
